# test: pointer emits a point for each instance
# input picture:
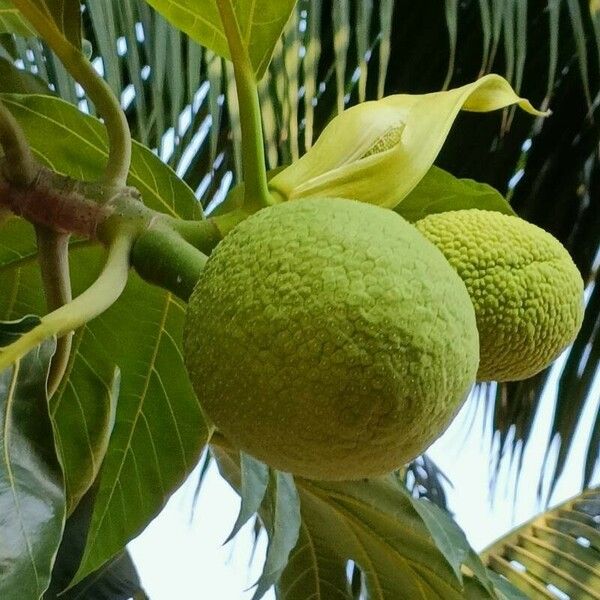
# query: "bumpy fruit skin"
(527, 293)
(330, 339)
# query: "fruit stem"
(102, 294)
(161, 256)
(19, 167)
(53, 257)
(207, 233)
(99, 92)
(253, 152)
(203, 234)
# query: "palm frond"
(559, 551)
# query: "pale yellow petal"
(345, 140)
(346, 162)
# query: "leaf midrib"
(127, 448)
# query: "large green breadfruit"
(527, 293)
(330, 339)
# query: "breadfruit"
(527, 293)
(330, 339)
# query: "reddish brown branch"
(61, 204)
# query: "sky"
(182, 557)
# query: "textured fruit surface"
(330, 339)
(527, 293)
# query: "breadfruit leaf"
(439, 191)
(261, 23)
(282, 512)
(11, 20)
(159, 430)
(254, 482)
(404, 549)
(32, 499)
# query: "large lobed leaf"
(32, 499)
(404, 547)
(158, 430)
(260, 21)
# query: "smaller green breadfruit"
(330, 339)
(527, 293)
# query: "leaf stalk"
(53, 257)
(253, 152)
(19, 167)
(100, 296)
(99, 92)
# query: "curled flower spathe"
(378, 151)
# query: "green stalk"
(53, 256)
(205, 234)
(102, 294)
(19, 167)
(161, 256)
(253, 152)
(99, 92)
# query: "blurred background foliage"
(179, 101)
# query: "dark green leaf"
(32, 499)
(439, 191)
(254, 482)
(261, 23)
(115, 580)
(11, 331)
(159, 430)
(67, 15)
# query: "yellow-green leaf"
(11, 21)
(261, 23)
